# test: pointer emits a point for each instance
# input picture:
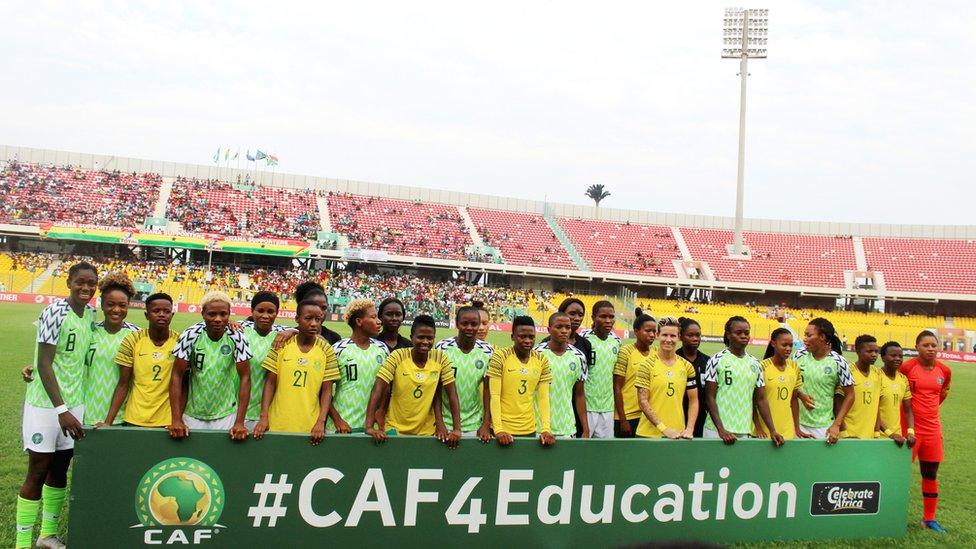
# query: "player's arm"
(270, 386)
(118, 396)
(376, 397)
(760, 431)
(454, 437)
(325, 402)
(177, 429)
(759, 396)
(239, 430)
(484, 432)
(340, 424)
(497, 423)
(440, 428)
(644, 401)
(545, 414)
(619, 378)
(906, 406)
(70, 425)
(845, 406)
(945, 387)
(579, 399)
(692, 393)
(795, 410)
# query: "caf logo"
(523, 371)
(940, 380)
(157, 355)
(782, 379)
(670, 374)
(225, 350)
(420, 376)
(179, 492)
(302, 361)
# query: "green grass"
(958, 503)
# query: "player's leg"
(53, 495)
(930, 455)
(29, 498)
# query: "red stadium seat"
(399, 226)
(31, 194)
(522, 238)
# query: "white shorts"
(469, 434)
(249, 423)
(708, 433)
(220, 424)
(817, 432)
(600, 423)
(42, 432)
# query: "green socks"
(52, 504)
(26, 517)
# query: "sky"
(863, 112)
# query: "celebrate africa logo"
(180, 492)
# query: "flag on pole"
(227, 154)
(236, 154)
(249, 157)
(260, 155)
(272, 160)
(216, 157)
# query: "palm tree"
(597, 193)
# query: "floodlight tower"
(745, 33)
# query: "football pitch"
(957, 478)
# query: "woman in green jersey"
(734, 384)
(360, 357)
(101, 373)
(822, 370)
(260, 331)
(54, 406)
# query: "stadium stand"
(523, 238)
(918, 265)
(784, 259)
(623, 247)
(400, 227)
(263, 212)
(34, 194)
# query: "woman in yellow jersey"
(298, 385)
(782, 377)
(412, 377)
(863, 417)
(627, 410)
(145, 361)
(663, 380)
(897, 419)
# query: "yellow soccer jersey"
(780, 386)
(513, 386)
(627, 360)
(893, 393)
(148, 403)
(413, 389)
(667, 386)
(862, 418)
(295, 405)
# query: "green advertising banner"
(136, 487)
